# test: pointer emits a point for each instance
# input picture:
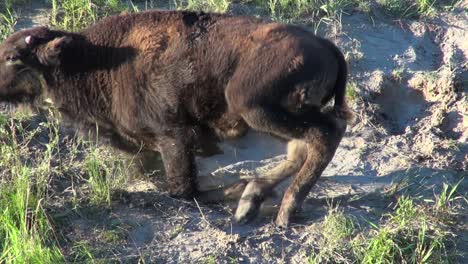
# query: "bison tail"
(341, 108)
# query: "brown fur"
(162, 79)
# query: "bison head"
(24, 58)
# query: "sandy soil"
(410, 132)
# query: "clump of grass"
(405, 211)
(398, 74)
(444, 202)
(337, 229)
(305, 11)
(106, 173)
(406, 246)
(334, 8)
(26, 170)
(354, 53)
(407, 237)
(81, 252)
(291, 11)
(24, 225)
(113, 6)
(410, 8)
(218, 6)
(364, 6)
(113, 235)
(75, 15)
(409, 234)
(351, 91)
(7, 22)
(210, 260)
(27, 235)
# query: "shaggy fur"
(164, 79)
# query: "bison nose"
(12, 57)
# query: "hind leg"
(321, 147)
(229, 193)
(258, 189)
(322, 133)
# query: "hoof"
(247, 210)
(250, 202)
(282, 220)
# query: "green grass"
(75, 15)
(351, 91)
(27, 167)
(398, 74)
(445, 203)
(408, 236)
(81, 252)
(218, 6)
(337, 229)
(113, 6)
(411, 233)
(289, 11)
(113, 236)
(106, 173)
(24, 225)
(306, 11)
(7, 22)
(210, 260)
(416, 8)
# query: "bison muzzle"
(164, 79)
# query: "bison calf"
(163, 79)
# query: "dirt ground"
(410, 132)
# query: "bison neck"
(88, 81)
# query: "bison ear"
(53, 50)
(30, 40)
(37, 36)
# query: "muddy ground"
(410, 133)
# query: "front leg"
(179, 164)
